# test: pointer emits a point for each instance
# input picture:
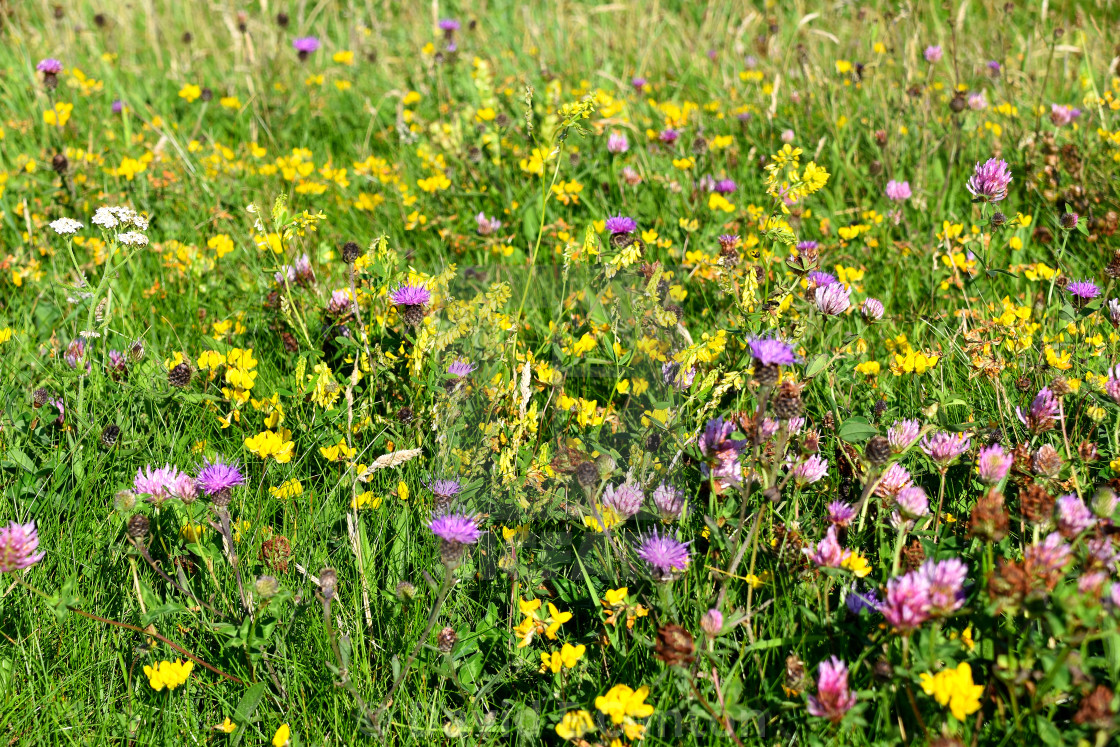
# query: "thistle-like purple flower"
(448, 24)
(898, 191)
(770, 351)
(1074, 517)
(933, 54)
(902, 434)
(946, 585)
(18, 543)
(411, 295)
(219, 475)
(305, 45)
(944, 448)
(626, 499)
(458, 528)
(906, 604)
(872, 310)
(621, 224)
(638, 82)
(49, 66)
(833, 698)
(993, 464)
(1083, 291)
(990, 180)
(668, 136)
(1043, 412)
(840, 513)
(665, 556)
(461, 368)
(817, 279)
(716, 439)
(443, 490)
(669, 501)
(832, 299)
(810, 470)
(725, 186)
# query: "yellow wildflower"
(169, 674)
(954, 688)
(574, 725)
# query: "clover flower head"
(990, 180)
(18, 543)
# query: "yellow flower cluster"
(954, 688)
(169, 674)
(277, 445)
(536, 623)
(787, 182)
(623, 704)
(568, 656)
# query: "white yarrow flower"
(133, 238)
(104, 217)
(66, 226)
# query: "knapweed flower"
(912, 502)
(1083, 292)
(414, 300)
(944, 448)
(219, 475)
(894, 480)
(990, 180)
(486, 226)
(18, 543)
(669, 501)
(623, 704)
(898, 191)
(156, 482)
(625, 500)
(833, 698)
(443, 490)
(832, 299)
(770, 351)
(448, 24)
(1061, 115)
(638, 83)
(906, 604)
(169, 674)
(49, 66)
(665, 556)
(1043, 412)
(810, 470)
(993, 464)
(305, 45)
(460, 368)
(954, 688)
(455, 533)
(817, 279)
(902, 434)
(872, 310)
(668, 136)
(621, 224)
(840, 513)
(725, 186)
(66, 226)
(946, 585)
(617, 143)
(1074, 517)
(933, 54)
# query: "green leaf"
(816, 365)
(245, 707)
(856, 430)
(1047, 731)
(21, 459)
(66, 599)
(155, 613)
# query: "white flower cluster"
(114, 217)
(66, 226)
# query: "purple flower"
(617, 143)
(807, 246)
(1083, 291)
(993, 464)
(728, 240)
(117, 362)
(768, 428)
(49, 66)
(859, 601)
(1114, 311)
(638, 83)
(989, 181)
(117, 107)
(946, 584)
(305, 45)
(1074, 517)
(832, 299)
(57, 403)
(455, 528)
(286, 273)
(810, 470)
(840, 513)
(933, 54)
(340, 303)
(668, 136)
(827, 552)
(76, 353)
(487, 226)
(448, 24)
(156, 482)
(898, 191)
(712, 623)
(994, 68)
(1043, 411)
(893, 481)
(872, 310)
(716, 439)
(1062, 115)
(912, 502)
(817, 279)
(1112, 389)
(664, 555)
(725, 186)
(445, 490)
(626, 499)
(18, 543)
(977, 101)
(674, 375)
(669, 501)
(833, 698)
(219, 475)
(770, 351)
(411, 295)
(621, 224)
(907, 603)
(1049, 556)
(945, 448)
(461, 368)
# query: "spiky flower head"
(990, 180)
(459, 528)
(621, 224)
(770, 351)
(219, 475)
(18, 543)
(1083, 291)
(665, 556)
(156, 483)
(49, 66)
(840, 513)
(305, 45)
(411, 295)
(461, 368)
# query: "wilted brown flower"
(989, 520)
(674, 645)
